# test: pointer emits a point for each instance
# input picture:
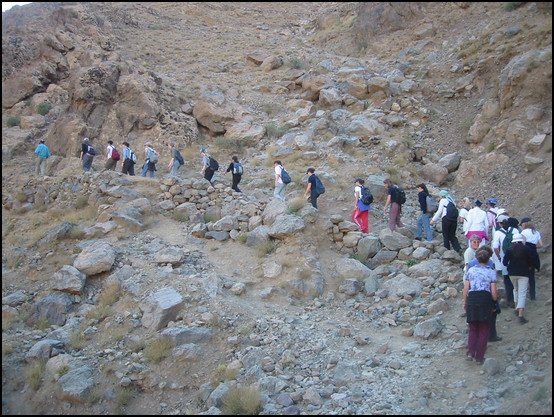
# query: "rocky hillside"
(172, 296)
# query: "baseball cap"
(525, 220)
(492, 201)
(477, 203)
(202, 150)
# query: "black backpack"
(319, 187)
(285, 177)
(451, 212)
(399, 195)
(367, 197)
(213, 164)
(237, 168)
(179, 158)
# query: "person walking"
(480, 296)
(128, 162)
(423, 221)
(395, 205)
(43, 153)
(174, 163)
(279, 184)
(462, 216)
(150, 155)
(448, 213)
(235, 168)
(361, 210)
(206, 170)
(492, 213)
(311, 188)
(498, 257)
(87, 154)
(519, 260)
(477, 222)
(110, 161)
(533, 240)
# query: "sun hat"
(517, 238)
(525, 220)
(148, 144)
(502, 218)
(85, 139)
(477, 203)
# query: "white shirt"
(530, 236)
(463, 215)
(497, 240)
(110, 149)
(441, 210)
(278, 170)
(477, 220)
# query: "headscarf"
(444, 193)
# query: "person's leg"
(398, 215)
(236, 180)
(365, 221)
(472, 339)
(522, 286)
(313, 197)
(509, 288)
(445, 237)
(208, 174)
(419, 232)
(482, 339)
(393, 216)
(455, 243)
(144, 169)
(532, 293)
(493, 336)
(174, 168)
(239, 177)
(43, 166)
(131, 168)
(356, 218)
(427, 226)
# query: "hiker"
(492, 213)
(312, 187)
(150, 155)
(533, 240)
(110, 161)
(361, 210)
(128, 162)
(519, 260)
(174, 163)
(480, 296)
(448, 213)
(279, 184)
(425, 217)
(235, 168)
(206, 170)
(477, 222)
(87, 154)
(43, 153)
(395, 205)
(498, 257)
(462, 216)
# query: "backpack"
(115, 155)
(451, 212)
(179, 158)
(319, 187)
(237, 168)
(367, 197)
(285, 177)
(133, 157)
(431, 204)
(400, 195)
(213, 164)
(91, 150)
(507, 242)
(153, 157)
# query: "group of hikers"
(497, 244)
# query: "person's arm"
(493, 291)
(438, 212)
(386, 203)
(308, 188)
(277, 175)
(466, 290)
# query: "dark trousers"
(208, 174)
(449, 234)
(313, 198)
(128, 167)
(509, 287)
(477, 339)
(236, 180)
(492, 330)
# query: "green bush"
(13, 121)
(43, 108)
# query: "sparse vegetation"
(242, 401)
(13, 121)
(34, 373)
(43, 108)
(158, 349)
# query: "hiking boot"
(418, 238)
(523, 320)
(481, 362)
(511, 304)
(516, 312)
(495, 339)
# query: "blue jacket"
(42, 151)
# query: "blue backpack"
(319, 187)
(285, 177)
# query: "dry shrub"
(242, 401)
(158, 349)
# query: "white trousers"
(520, 290)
